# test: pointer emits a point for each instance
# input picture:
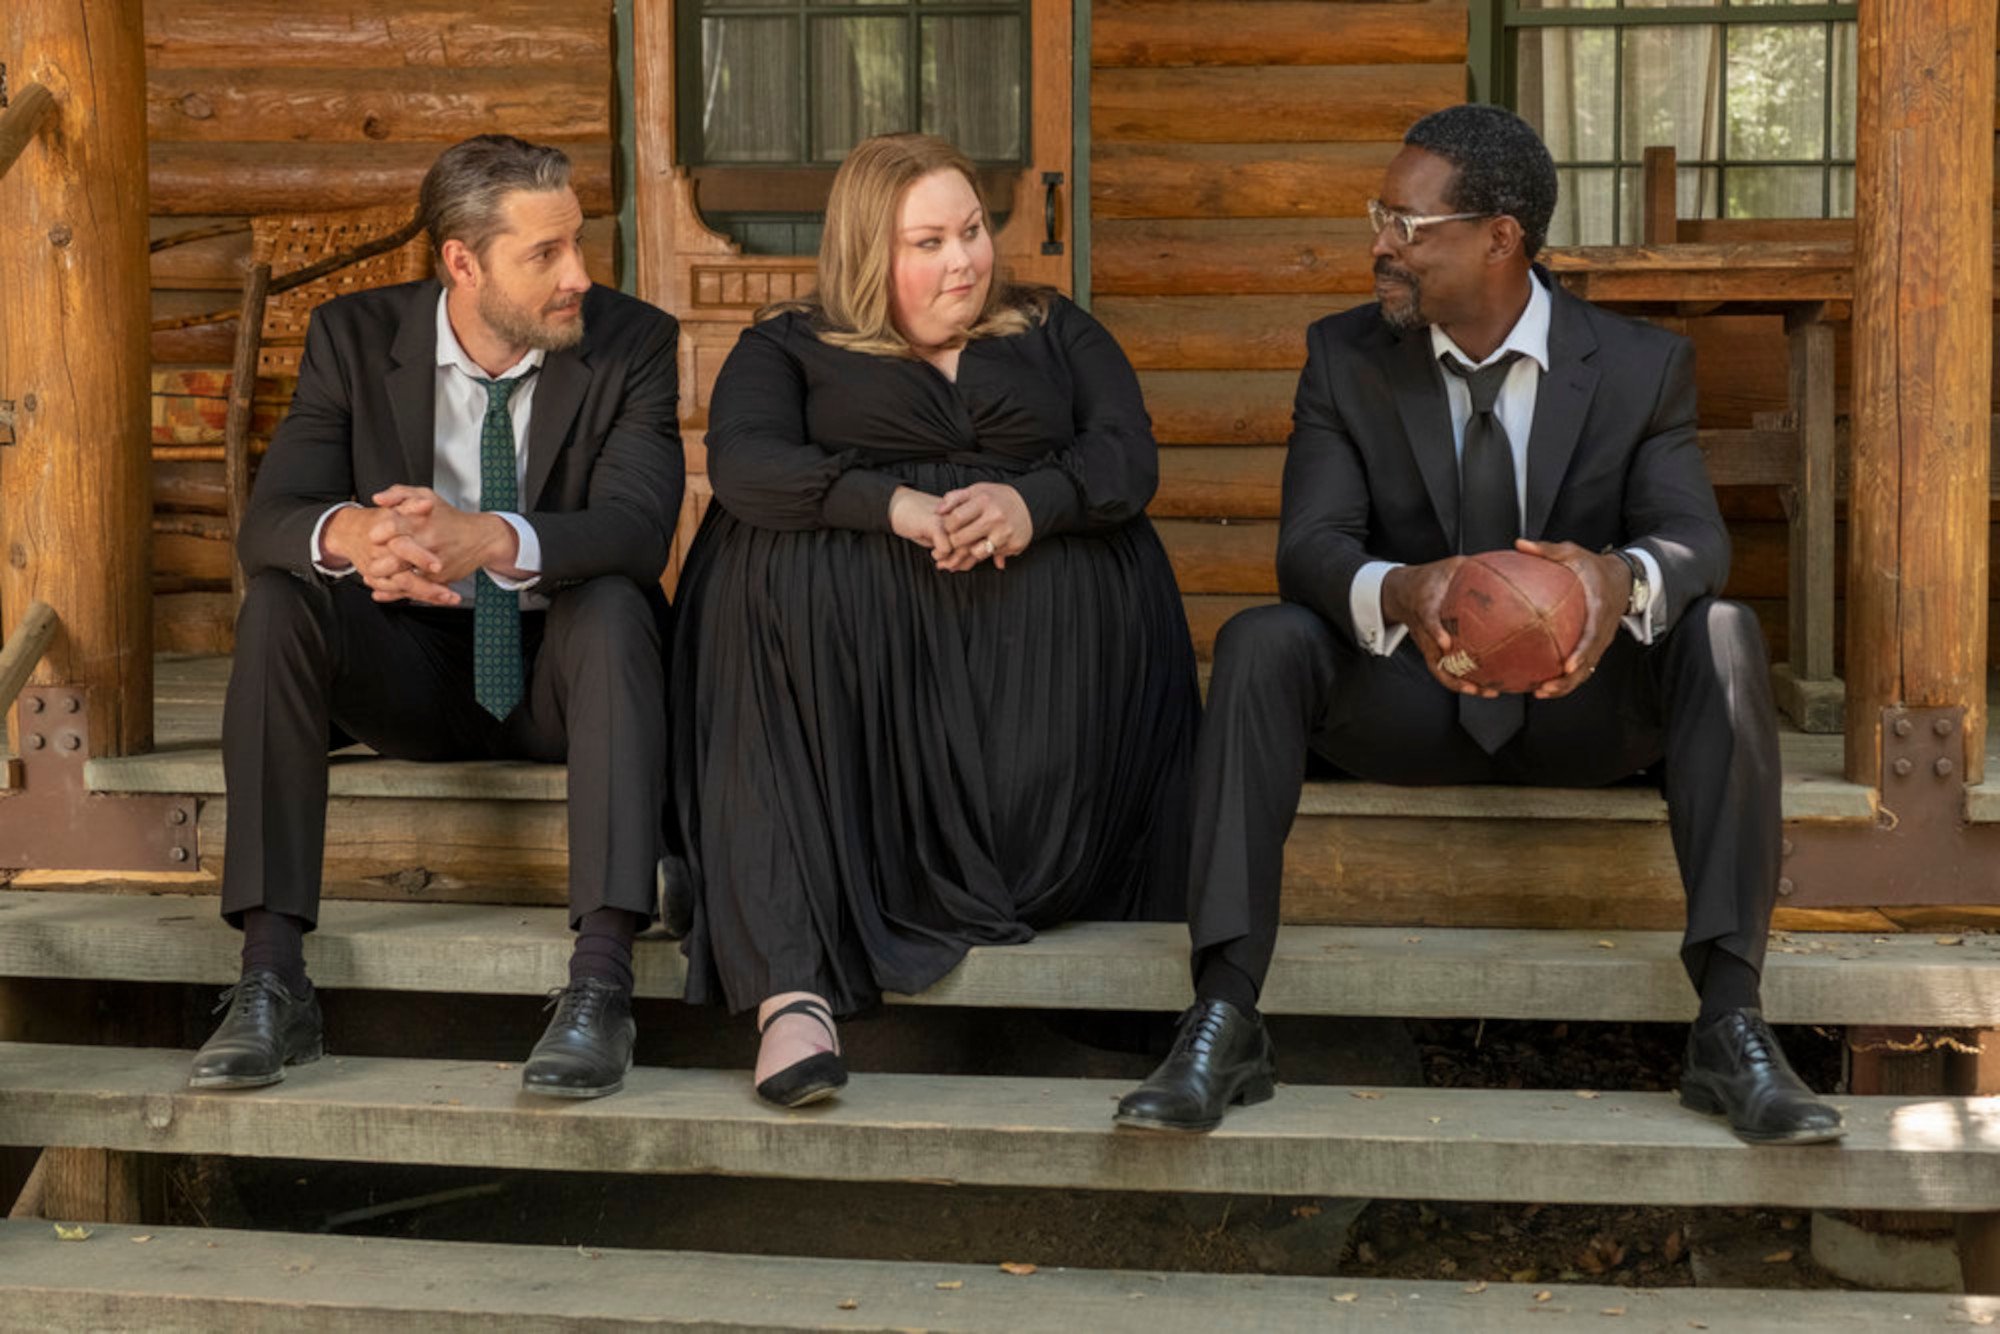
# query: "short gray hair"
(463, 191)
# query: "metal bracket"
(1919, 850)
(51, 820)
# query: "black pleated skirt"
(878, 765)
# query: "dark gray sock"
(1219, 979)
(276, 941)
(604, 947)
(1726, 983)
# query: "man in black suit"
(453, 552)
(1472, 407)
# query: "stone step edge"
(200, 1279)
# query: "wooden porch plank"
(194, 1280)
(1399, 972)
(1940, 1154)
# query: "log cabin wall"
(1234, 144)
(282, 106)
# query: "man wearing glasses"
(1476, 406)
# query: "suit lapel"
(1561, 404)
(564, 377)
(412, 384)
(1421, 403)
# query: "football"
(1513, 619)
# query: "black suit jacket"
(1372, 471)
(604, 475)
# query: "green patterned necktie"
(496, 611)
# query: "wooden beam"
(1290, 104)
(23, 650)
(22, 120)
(1922, 395)
(1274, 32)
(73, 359)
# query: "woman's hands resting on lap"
(987, 520)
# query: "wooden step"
(1363, 971)
(196, 1280)
(1557, 1147)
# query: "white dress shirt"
(460, 413)
(1515, 409)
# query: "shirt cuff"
(1641, 626)
(1364, 604)
(1052, 499)
(859, 499)
(528, 555)
(313, 552)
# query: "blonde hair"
(850, 307)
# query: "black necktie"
(1489, 519)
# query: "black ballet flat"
(818, 1076)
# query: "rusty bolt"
(177, 854)
(1785, 887)
(36, 741)
(60, 235)
(35, 704)
(71, 741)
(71, 704)
(177, 816)
(1902, 768)
(1902, 727)
(1942, 768)
(1942, 727)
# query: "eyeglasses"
(1407, 225)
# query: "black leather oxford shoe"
(587, 1047)
(267, 1028)
(1735, 1067)
(1220, 1057)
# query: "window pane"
(1698, 192)
(1772, 192)
(1566, 82)
(1842, 204)
(1844, 92)
(1777, 91)
(861, 82)
(749, 90)
(1671, 78)
(972, 84)
(1584, 207)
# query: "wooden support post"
(1659, 194)
(242, 394)
(1923, 327)
(1806, 687)
(1976, 1074)
(91, 1186)
(74, 485)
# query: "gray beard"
(523, 330)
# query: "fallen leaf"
(1412, 940)
(1696, 1324)
(143, 1237)
(1671, 1247)
(1366, 1095)
(1436, 1120)
(77, 1233)
(951, 1285)
(1017, 1268)
(1544, 1295)
(1951, 940)
(1478, 1287)
(1306, 1211)
(1778, 1258)
(1606, 945)
(1612, 1310)
(1588, 1093)
(847, 1304)
(1524, 1276)
(1347, 1296)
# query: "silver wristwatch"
(1642, 588)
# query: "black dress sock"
(276, 941)
(604, 947)
(1726, 983)
(1219, 979)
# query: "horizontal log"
(1207, 482)
(1217, 332)
(189, 487)
(321, 178)
(546, 104)
(1233, 255)
(1219, 407)
(206, 345)
(186, 559)
(216, 263)
(1208, 612)
(1236, 180)
(1306, 104)
(1222, 557)
(202, 622)
(1275, 32)
(376, 34)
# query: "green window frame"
(1714, 180)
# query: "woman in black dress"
(933, 686)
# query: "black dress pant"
(320, 665)
(1285, 682)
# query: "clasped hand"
(1413, 596)
(410, 544)
(984, 521)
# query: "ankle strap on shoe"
(811, 1008)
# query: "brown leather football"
(1513, 618)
